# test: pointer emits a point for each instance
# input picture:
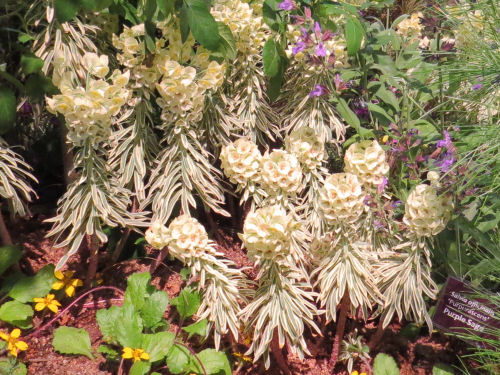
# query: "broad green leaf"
(199, 328)
(106, 319)
(128, 327)
(7, 109)
(37, 286)
(9, 255)
(109, 352)
(398, 20)
(187, 302)
(23, 38)
(178, 359)
(202, 24)
(9, 367)
(31, 64)
(274, 86)
(380, 114)
(271, 58)
(442, 369)
(153, 309)
(387, 97)
(354, 34)
(157, 345)
(213, 361)
(165, 6)
(140, 368)
(16, 313)
(70, 340)
(385, 365)
(65, 10)
(138, 289)
(347, 114)
(227, 45)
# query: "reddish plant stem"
(278, 353)
(93, 246)
(159, 259)
(4, 232)
(344, 308)
(74, 302)
(120, 368)
(194, 355)
(95, 304)
(379, 333)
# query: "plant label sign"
(460, 311)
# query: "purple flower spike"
(320, 50)
(317, 29)
(319, 90)
(286, 5)
(446, 142)
(477, 86)
(381, 187)
(299, 47)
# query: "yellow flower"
(47, 301)
(13, 343)
(135, 354)
(243, 357)
(66, 281)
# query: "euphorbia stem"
(344, 308)
(4, 233)
(278, 353)
(126, 233)
(74, 302)
(159, 259)
(93, 246)
(378, 334)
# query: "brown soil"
(414, 356)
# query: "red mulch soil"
(416, 356)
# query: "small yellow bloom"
(135, 354)
(385, 138)
(357, 373)
(243, 357)
(65, 280)
(13, 343)
(47, 301)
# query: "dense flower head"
(157, 235)
(90, 109)
(13, 342)
(280, 172)
(267, 232)
(341, 198)
(305, 144)
(246, 25)
(426, 212)
(367, 160)
(411, 27)
(240, 161)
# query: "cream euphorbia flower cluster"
(267, 233)
(366, 160)
(341, 199)
(89, 109)
(411, 27)
(280, 172)
(185, 237)
(241, 161)
(426, 212)
(247, 26)
(305, 144)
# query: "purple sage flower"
(477, 86)
(286, 5)
(300, 46)
(319, 90)
(446, 142)
(381, 187)
(320, 50)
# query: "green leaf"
(380, 114)
(385, 365)
(354, 34)
(9, 367)
(16, 313)
(128, 327)
(31, 64)
(106, 319)
(202, 24)
(7, 110)
(23, 38)
(9, 255)
(140, 368)
(70, 340)
(165, 6)
(178, 359)
(187, 302)
(199, 328)
(442, 369)
(109, 352)
(37, 286)
(271, 58)
(213, 361)
(157, 345)
(37, 86)
(138, 289)
(227, 45)
(388, 97)
(347, 114)
(153, 309)
(65, 10)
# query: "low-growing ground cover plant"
(319, 168)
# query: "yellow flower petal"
(69, 274)
(58, 285)
(4, 336)
(40, 306)
(354, 373)
(76, 282)
(50, 297)
(21, 345)
(13, 351)
(145, 356)
(70, 291)
(59, 275)
(55, 302)
(53, 307)
(127, 353)
(16, 332)
(39, 300)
